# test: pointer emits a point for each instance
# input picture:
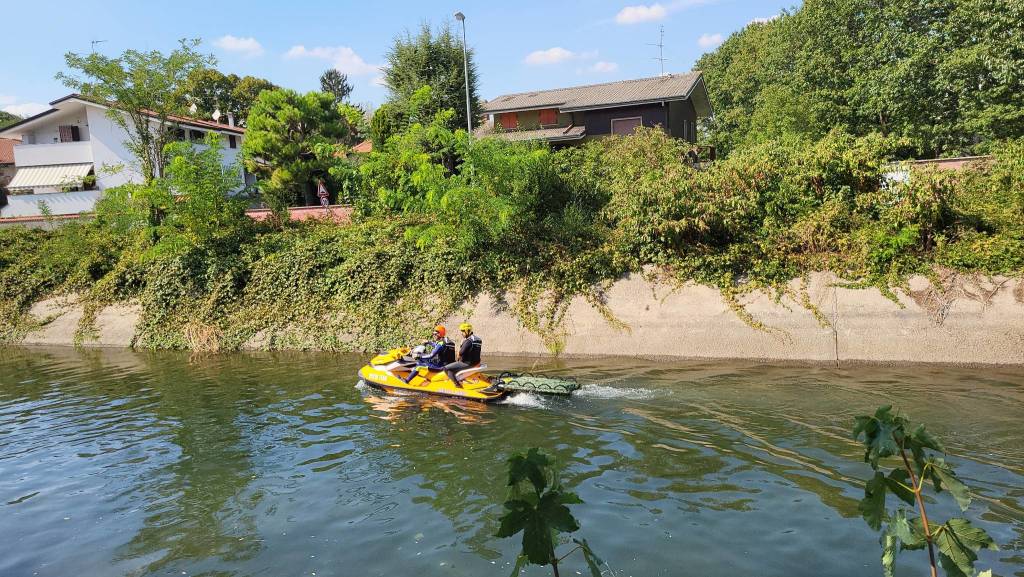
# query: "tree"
(209, 90)
(7, 119)
(141, 90)
(335, 83)
(435, 60)
(291, 140)
(944, 74)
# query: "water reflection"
(116, 462)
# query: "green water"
(121, 463)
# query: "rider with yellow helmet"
(468, 355)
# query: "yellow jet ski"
(388, 371)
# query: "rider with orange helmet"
(441, 353)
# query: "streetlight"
(465, 68)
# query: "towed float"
(389, 371)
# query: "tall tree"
(210, 90)
(292, 139)
(432, 59)
(141, 90)
(7, 119)
(943, 74)
(335, 83)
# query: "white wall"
(108, 149)
(47, 132)
(61, 153)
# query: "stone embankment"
(966, 321)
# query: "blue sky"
(520, 45)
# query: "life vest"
(447, 354)
(471, 351)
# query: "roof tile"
(624, 92)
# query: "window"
(508, 120)
(232, 143)
(625, 126)
(548, 116)
(195, 135)
(69, 133)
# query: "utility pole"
(465, 68)
(661, 49)
(93, 44)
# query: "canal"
(122, 463)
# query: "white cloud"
(549, 56)
(248, 46)
(765, 20)
(707, 41)
(641, 13)
(343, 58)
(6, 99)
(556, 55)
(654, 12)
(378, 81)
(602, 66)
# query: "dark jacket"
(470, 350)
(442, 353)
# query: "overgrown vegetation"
(441, 220)
(886, 435)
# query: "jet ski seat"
(467, 372)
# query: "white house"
(75, 146)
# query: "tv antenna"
(661, 49)
(93, 44)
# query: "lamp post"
(465, 68)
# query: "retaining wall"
(969, 321)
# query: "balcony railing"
(56, 153)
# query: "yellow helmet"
(466, 328)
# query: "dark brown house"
(674, 102)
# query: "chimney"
(231, 118)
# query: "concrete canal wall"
(966, 321)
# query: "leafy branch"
(885, 434)
(537, 506)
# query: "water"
(121, 463)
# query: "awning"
(52, 175)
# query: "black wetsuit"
(469, 356)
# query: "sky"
(519, 45)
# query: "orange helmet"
(440, 330)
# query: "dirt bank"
(966, 321)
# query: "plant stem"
(920, 507)
(554, 566)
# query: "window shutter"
(549, 116)
(65, 133)
(509, 120)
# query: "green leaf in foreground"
(943, 477)
(959, 541)
(900, 484)
(872, 506)
(540, 511)
(593, 561)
